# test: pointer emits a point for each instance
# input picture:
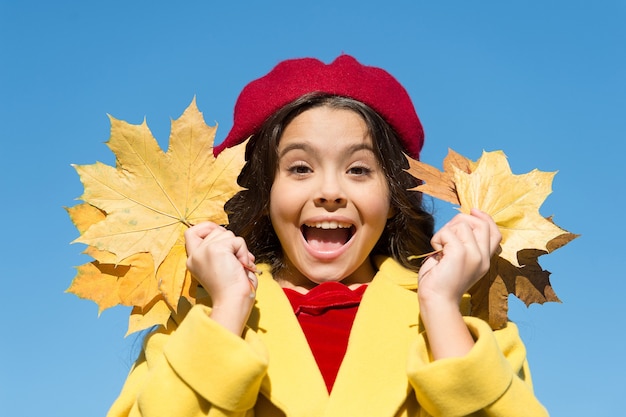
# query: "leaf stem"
(424, 255)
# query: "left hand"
(467, 244)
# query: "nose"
(330, 191)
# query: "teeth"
(329, 225)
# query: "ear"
(392, 212)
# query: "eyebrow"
(308, 148)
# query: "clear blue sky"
(545, 81)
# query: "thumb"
(195, 235)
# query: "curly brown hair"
(407, 232)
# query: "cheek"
(274, 202)
(381, 211)
(380, 195)
(282, 200)
(375, 207)
(389, 208)
(275, 195)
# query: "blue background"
(545, 81)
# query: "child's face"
(329, 202)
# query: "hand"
(467, 244)
(222, 264)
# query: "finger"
(231, 244)
(445, 235)
(240, 249)
(474, 238)
(251, 261)
(449, 239)
(254, 281)
(486, 235)
(495, 236)
(483, 230)
(465, 242)
(196, 234)
(481, 234)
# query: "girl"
(328, 322)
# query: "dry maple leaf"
(134, 215)
(513, 202)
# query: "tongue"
(326, 240)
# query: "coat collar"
(375, 362)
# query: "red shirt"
(326, 314)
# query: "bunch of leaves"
(513, 201)
(134, 215)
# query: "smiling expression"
(329, 202)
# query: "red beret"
(345, 76)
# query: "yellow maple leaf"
(135, 214)
(513, 201)
(154, 314)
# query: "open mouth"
(327, 236)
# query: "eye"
(359, 170)
(300, 168)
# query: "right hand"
(216, 258)
(467, 244)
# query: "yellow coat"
(200, 369)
